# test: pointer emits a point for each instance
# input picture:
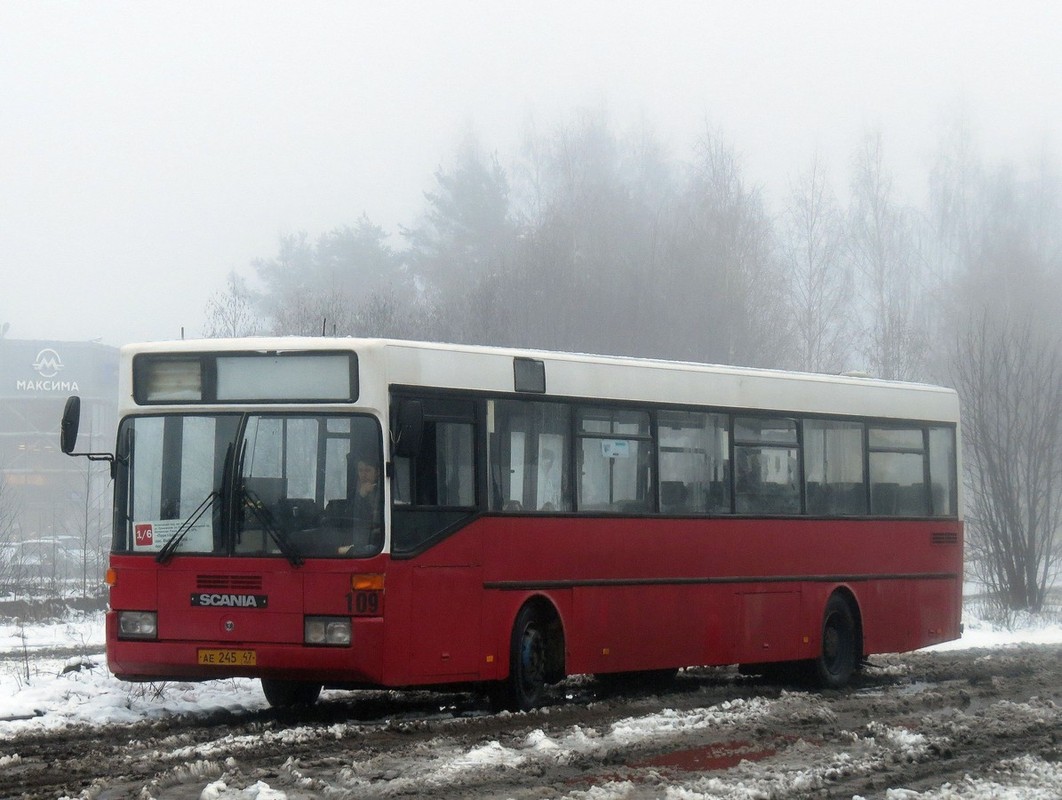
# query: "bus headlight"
(333, 631)
(138, 625)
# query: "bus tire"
(287, 694)
(525, 687)
(837, 660)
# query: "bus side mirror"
(68, 433)
(409, 428)
(69, 426)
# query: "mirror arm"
(108, 457)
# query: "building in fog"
(59, 502)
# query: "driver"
(365, 504)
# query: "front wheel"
(525, 687)
(837, 661)
(286, 694)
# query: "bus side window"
(439, 470)
(443, 472)
(403, 480)
(454, 480)
(694, 463)
(615, 461)
(433, 482)
(898, 472)
(767, 472)
(833, 468)
(942, 471)
(529, 456)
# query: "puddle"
(707, 758)
(721, 755)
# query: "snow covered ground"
(52, 676)
(91, 696)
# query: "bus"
(366, 513)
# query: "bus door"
(435, 495)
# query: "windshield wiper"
(167, 549)
(266, 520)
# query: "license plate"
(228, 658)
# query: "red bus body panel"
(631, 594)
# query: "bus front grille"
(231, 582)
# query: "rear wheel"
(838, 659)
(525, 687)
(285, 694)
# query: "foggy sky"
(147, 149)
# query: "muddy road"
(916, 721)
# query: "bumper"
(360, 663)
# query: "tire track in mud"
(910, 721)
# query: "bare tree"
(1010, 381)
(316, 312)
(596, 247)
(1006, 241)
(822, 285)
(956, 201)
(90, 521)
(231, 312)
(10, 559)
(383, 314)
(316, 289)
(731, 288)
(463, 244)
(567, 245)
(883, 246)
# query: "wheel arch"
(549, 611)
(848, 594)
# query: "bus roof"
(596, 377)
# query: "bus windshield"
(292, 485)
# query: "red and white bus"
(371, 513)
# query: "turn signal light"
(110, 577)
(372, 582)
